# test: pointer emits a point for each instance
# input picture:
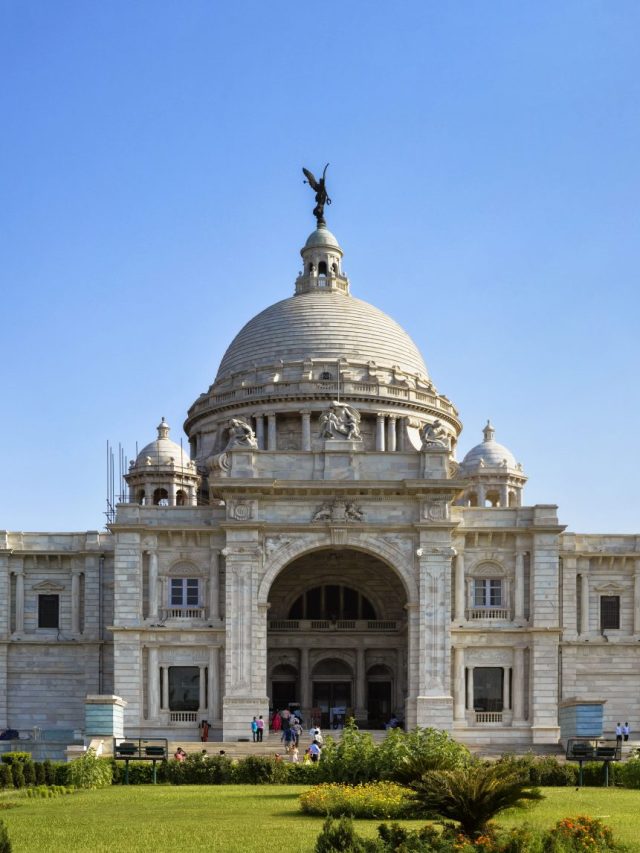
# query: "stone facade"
(321, 546)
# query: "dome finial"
(489, 432)
(163, 429)
(322, 197)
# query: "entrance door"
(329, 696)
(379, 703)
(283, 694)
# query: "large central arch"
(337, 634)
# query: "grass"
(241, 819)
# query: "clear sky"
(485, 175)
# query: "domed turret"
(163, 474)
(496, 478)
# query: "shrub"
(17, 771)
(47, 791)
(6, 777)
(5, 844)
(371, 800)
(89, 771)
(404, 756)
(29, 773)
(49, 772)
(39, 773)
(301, 773)
(13, 757)
(353, 759)
(61, 773)
(547, 771)
(593, 774)
(583, 833)
(629, 773)
(259, 770)
(339, 836)
(473, 795)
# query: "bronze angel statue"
(321, 193)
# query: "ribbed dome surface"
(162, 451)
(491, 453)
(321, 326)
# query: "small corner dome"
(322, 238)
(163, 451)
(488, 453)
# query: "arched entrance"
(337, 624)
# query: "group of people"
(257, 729)
(623, 732)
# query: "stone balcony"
(489, 614)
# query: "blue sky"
(486, 183)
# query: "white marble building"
(322, 546)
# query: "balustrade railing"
(488, 717)
(183, 716)
(488, 613)
(299, 625)
(183, 613)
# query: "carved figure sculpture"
(340, 421)
(241, 435)
(323, 513)
(434, 435)
(353, 513)
(321, 194)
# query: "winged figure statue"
(322, 197)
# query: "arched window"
(322, 268)
(181, 498)
(473, 499)
(332, 602)
(326, 375)
(161, 497)
(140, 497)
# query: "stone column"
(172, 494)
(306, 429)
(213, 687)
(399, 699)
(470, 700)
(391, 432)
(19, 573)
(504, 495)
(153, 584)
(202, 683)
(153, 679)
(165, 688)
(458, 683)
(361, 680)
(271, 431)
(75, 601)
(481, 492)
(519, 587)
(505, 688)
(636, 598)
(305, 684)
(214, 584)
(380, 432)
(584, 603)
(260, 430)
(518, 685)
(459, 602)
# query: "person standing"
(314, 751)
(618, 735)
(276, 723)
(626, 731)
(254, 729)
(260, 731)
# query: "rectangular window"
(609, 612)
(48, 611)
(487, 592)
(185, 592)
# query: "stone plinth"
(104, 716)
(435, 463)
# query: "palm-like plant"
(473, 795)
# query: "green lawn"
(230, 818)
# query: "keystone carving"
(338, 511)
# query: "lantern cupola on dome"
(496, 479)
(163, 474)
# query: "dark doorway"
(184, 688)
(330, 697)
(283, 693)
(379, 703)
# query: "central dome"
(321, 325)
